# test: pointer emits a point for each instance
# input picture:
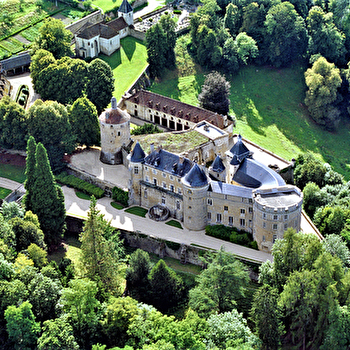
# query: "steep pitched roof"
(89, 32)
(240, 149)
(196, 177)
(138, 155)
(170, 162)
(117, 24)
(218, 166)
(177, 109)
(125, 7)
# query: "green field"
(4, 192)
(137, 211)
(107, 5)
(32, 32)
(13, 45)
(12, 172)
(127, 64)
(268, 104)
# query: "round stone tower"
(115, 133)
(195, 186)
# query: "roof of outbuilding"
(170, 162)
(125, 7)
(254, 174)
(177, 109)
(138, 155)
(218, 166)
(22, 59)
(196, 177)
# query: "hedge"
(81, 185)
(231, 234)
(120, 196)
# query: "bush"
(231, 234)
(146, 129)
(78, 184)
(120, 196)
(177, 12)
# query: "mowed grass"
(117, 205)
(12, 172)
(270, 111)
(127, 64)
(137, 211)
(107, 5)
(4, 192)
(174, 223)
(83, 195)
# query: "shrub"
(79, 184)
(177, 12)
(146, 129)
(120, 196)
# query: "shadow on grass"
(129, 47)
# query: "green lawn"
(268, 104)
(137, 211)
(127, 64)
(4, 192)
(12, 172)
(83, 195)
(107, 5)
(174, 223)
(116, 205)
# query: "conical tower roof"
(125, 7)
(138, 155)
(235, 160)
(218, 166)
(240, 149)
(196, 177)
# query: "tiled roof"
(89, 32)
(125, 7)
(138, 155)
(196, 177)
(170, 162)
(176, 108)
(114, 116)
(117, 24)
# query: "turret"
(217, 170)
(125, 10)
(136, 160)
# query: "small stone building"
(104, 37)
(115, 133)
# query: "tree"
(331, 219)
(137, 274)
(229, 329)
(246, 48)
(38, 255)
(312, 199)
(325, 39)
(168, 25)
(286, 36)
(100, 84)
(336, 246)
(84, 122)
(156, 49)
(166, 286)
(266, 315)
(57, 334)
(219, 286)
(232, 19)
(79, 304)
(48, 123)
(215, 92)
(11, 210)
(30, 173)
(323, 81)
(98, 258)
(21, 326)
(54, 38)
(48, 201)
(209, 53)
(13, 124)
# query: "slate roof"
(176, 108)
(114, 116)
(240, 149)
(196, 177)
(22, 59)
(218, 166)
(138, 155)
(254, 174)
(125, 7)
(166, 161)
(231, 190)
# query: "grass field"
(174, 223)
(127, 64)
(4, 192)
(107, 5)
(12, 172)
(137, 211)
(82, 195)
(116, 205)
(268, 104)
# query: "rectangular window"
(242, 211)
(275, 217)
(179, 191)
(250, 201)
(155, 182)
(164, 185)
(274, 226)
(171, 177)
(225, 194)
(172, 188)
(286, 217)
(218, 217)
(146, 168)
(225, 208)
(164, 175)
(264, 224)
(274, 237)
(285, 226)
(230, 220)
(242, 222)
(136, 170)
(264, 216)
(250, 210)
(154, 171)
(250, 223)
(264, 239)
(209, 216)
(163, 200)
(145, 193)
(178, 205)
(210, 201)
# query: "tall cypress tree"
(47, 199)
(30, 173)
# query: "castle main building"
(236, 190)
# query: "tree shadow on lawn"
(129, 47)
(114, 60)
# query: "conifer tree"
(30, 173)
(98, 256)
(47, 199)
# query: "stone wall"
(137, 34)
(138, 3)
(93, 18)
